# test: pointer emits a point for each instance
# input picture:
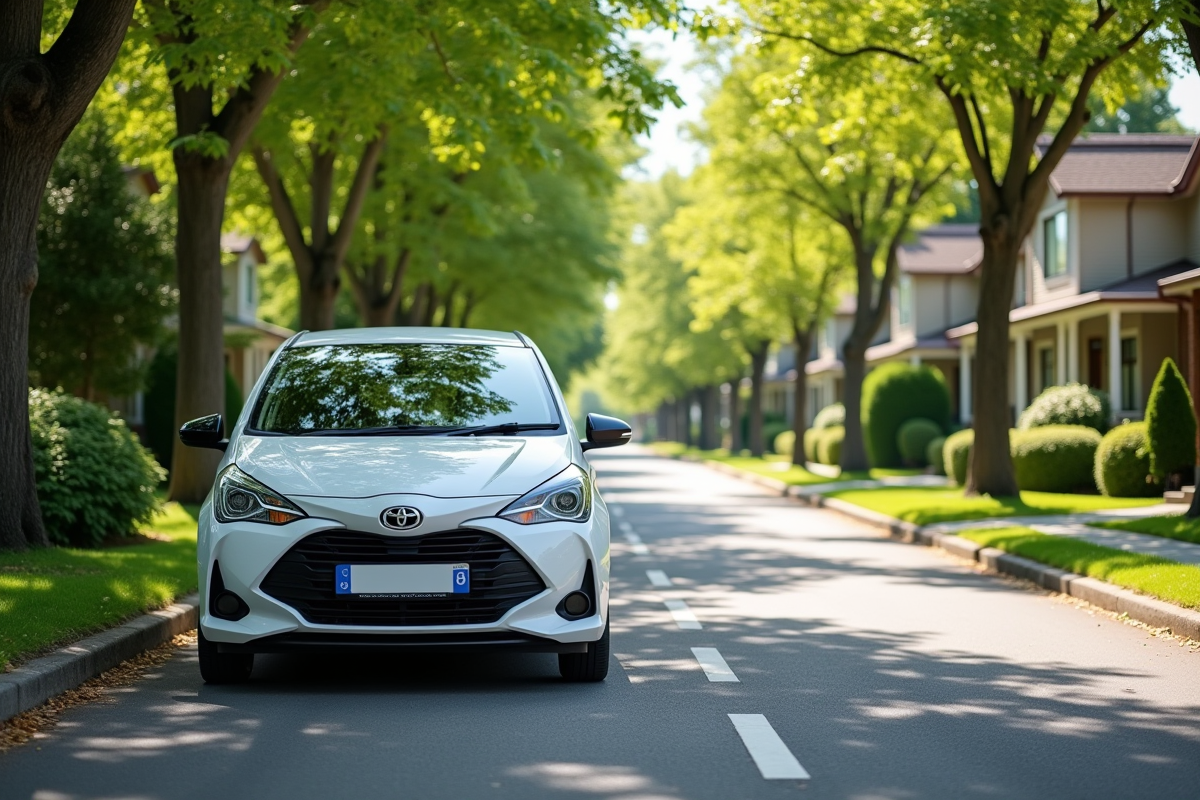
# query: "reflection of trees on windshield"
(377, 385)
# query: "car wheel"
(591, 666)
(217, 667)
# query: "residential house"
(249, 342)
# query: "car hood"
(438, 466)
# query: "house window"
(248, 280)
(1129, 367)
(904, 300)
(1055, 230)
(1046, 367)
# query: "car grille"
(500, 578)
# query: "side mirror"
(205, 432)
(605, 431)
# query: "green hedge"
(785, 443)
(956, 455)
(1055, 458)
(1170, 423)
(94, 479)
(1072, 404)
(1122, 466)
(894, 393)
(913, 440)
(812, 437)
(934, 455)
(829, 446)
(831, 416)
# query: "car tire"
(217, 667)
(589, 667)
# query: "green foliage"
(1072, 404)
(104, 269)
(1146, 110)
(785, 443)
(1055, 458)
(812, 437)
(935, 455)
(1122, 467)
(956, 455)
(913, 440)
(893, 394)
(1170, 423)
(159, 403)
(772, 429)
(94, 479)
(829, 445)
(830, 416)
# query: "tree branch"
(80, 59)
(980, 165)
(858, 51)
(983, 131)
(285, 210)
(363, 178)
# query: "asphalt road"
(881, 670)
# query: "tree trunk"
(758, 363)
(854, 449)
(873, 298)
(1192, 31)
(991, 469)
(710, 402)
(803, 343)
(200, 379)
(683, 412)
(736, 445)
(662, 422)
(318, 297)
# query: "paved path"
(756, 641)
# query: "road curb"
(1160, 614)
(37, 681)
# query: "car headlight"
(240, 498)
(567, 497)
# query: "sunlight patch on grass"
(927, 505)
(1167, 580)
(1171, 526)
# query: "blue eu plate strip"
(461, 580)
(342, 579)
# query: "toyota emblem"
(400, 518)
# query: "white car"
(404, 488)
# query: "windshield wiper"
(383, 430)
(506, 428)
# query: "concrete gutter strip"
(1181, 621)
(37, 681)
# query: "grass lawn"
(58, 594)
(1170, 526)
(1167, 580)
(923, 506)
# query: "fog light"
(577, 604)
(228, 604)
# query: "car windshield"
(402, 388)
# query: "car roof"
(407, 335)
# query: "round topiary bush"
(829, 447)
(831, 416)
(894, 393)
(913, 440)
(956, 455)
(812, 437)
(934, 455)
(1170, 423)
(94, 479)
(1055, 458)
(1122, 466)
(785, 443)
(1072, 404)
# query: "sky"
(668, 147)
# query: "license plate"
(402, 580)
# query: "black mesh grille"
(500, 578)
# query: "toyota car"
(411, 488)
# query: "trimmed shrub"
(894, 393)
(785, 443)
(1122, 466)
(771, 431)
(829, 447)
(831, 416)
(1170, 423)
(1055, 458)
(1072, 404)
(94, 479)
(934, 455)
(956, 455)
(812, 437)
(913, 440)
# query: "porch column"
(1114, 364)
(1020, 373)
(1073, 351)
(1060, 354)
(964, 384)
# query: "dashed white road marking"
(772, 757)
(683, 615)
(636, 545)
(714, 665)
(625, 527)
(658, 578)
(617, 511)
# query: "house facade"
(249, 341)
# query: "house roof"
(948, 249)
(1124, 164)
(930, 345)
(238, 243)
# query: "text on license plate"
(402, 580)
